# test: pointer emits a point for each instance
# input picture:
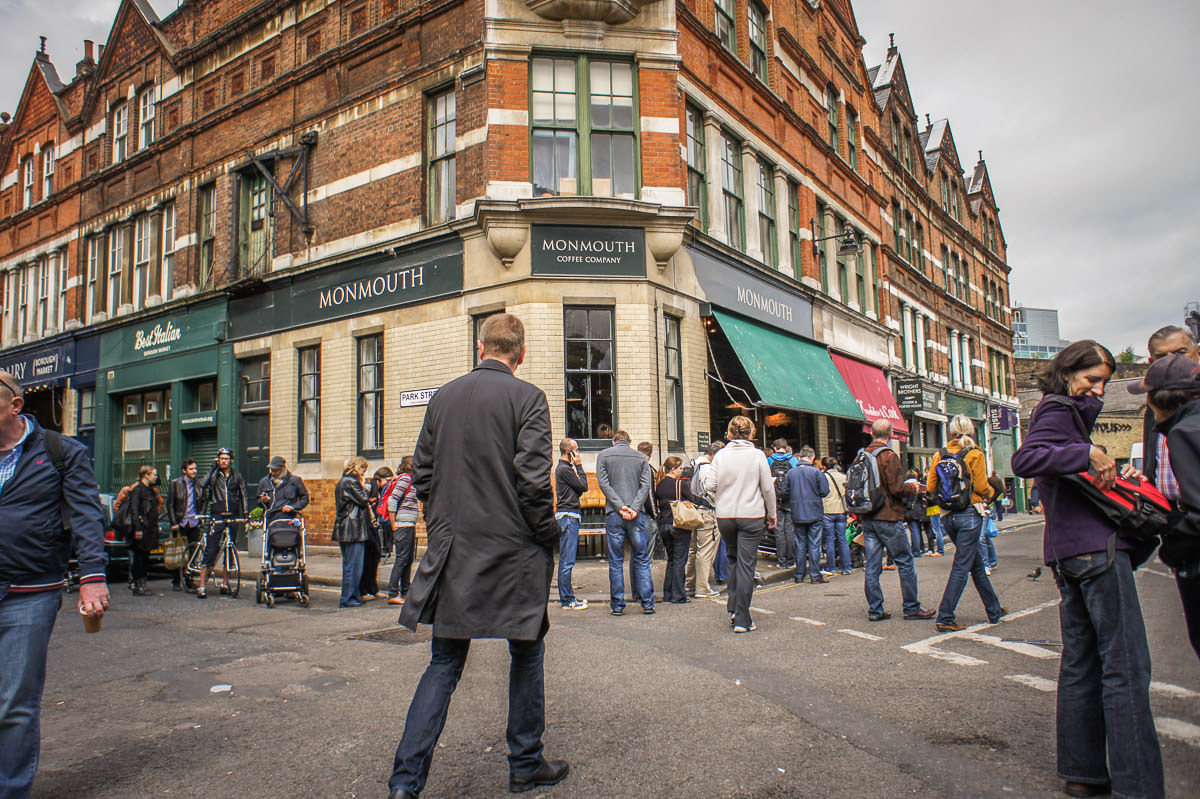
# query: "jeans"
(427, 712)
(677, 543)
(834, 525)
(893, 537)
(352, 569)
(721, 562)
(785, 539)
(568, 546)
(741, 538)
(400, 579)
(617, 530)
(1104, 679)
(963, 527)
(651, 542)
(26, 621)
(933, 531)
(914, 537)
(987, 547)
(808, 549)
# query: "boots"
(141, 589)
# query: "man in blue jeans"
(570, 481)
(884, 530)
(45, 480)
(806, 487)
(624, 476)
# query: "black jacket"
(1149, 448)
(1181, 545)
(176, 499)
(487, 570)
(34, 548)
(666, 492)
(569, 482)
(225, 495)
(355, 518)
(144, 515)
(290, 492)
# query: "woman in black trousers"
(143, 534)
(368, 587)
(671, 487)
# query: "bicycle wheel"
(189, 569)
(233, 572)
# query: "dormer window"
(120, 133)
(146, 112)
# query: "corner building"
(278, 226)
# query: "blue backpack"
(953, 480)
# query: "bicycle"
(227, 557)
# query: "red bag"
(381, 505)
(1137, 509)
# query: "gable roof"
(129, 9)
(42, 71)
(889, 80)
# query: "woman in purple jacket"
(1104, 676)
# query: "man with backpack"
(959, 482)
(780, 462)
(806, 486)
(48, 495)
(703, 552)
(875, 492)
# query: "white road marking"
(1040, 683)
(1012, 646)
(1177, 691)
(813, 622)
(1178, 730)
(926, 646)
(860, 634)
(760, 610)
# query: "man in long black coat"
(482, 469)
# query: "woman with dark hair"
(1104, 676)
(380, 538)
(669, 487)
(405, 510)
(745, 492)
(143, 532)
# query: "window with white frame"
(116, 260)
(166, 282)
(208, 231)
(731, 189)
(370, 395)
(831, 107)
(27, 180)
(22, 323)
(852, 138)
(43, 296)
(95, 276)
(697, 166)
(767, 239)
(795, 242)
(142, 257)
(48, 170)
(146, 112)
(120, 128)
(443, 169)
(64, 269)
(309, 400)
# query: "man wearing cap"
(1172, 386)
(46, 482)
(225, 498)
(281, 493)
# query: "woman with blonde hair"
(352, 527)
(964, 521)
(745, 492)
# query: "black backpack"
(864, 493)
(52, 439)
(779, 470)
(953, 480)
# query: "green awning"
(789, 372)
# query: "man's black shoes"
(402, 794)
(550, 772)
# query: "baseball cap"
(1175, 372)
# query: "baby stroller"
(283, 564)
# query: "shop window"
(831, 105)
(697, 186)
(725, 24)
(758, 41)
(674, 380)
(116, 262)
(256, 223)
(443, 172)
(145, 428)
(309, 401)
(146, 114)
(590, 371)
(852, 138)
(166, 281)
(795, 241)
(583, 136)
(732, 191)
(87, 407)
(767, 238)
(120, 130)
(208, 231)
(48, 166)
(27, 181)
(206, 396)
(370, 395)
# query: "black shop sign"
(578, 251)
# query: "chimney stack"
(87, 50)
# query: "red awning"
(870, 387)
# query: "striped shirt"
(8, 466)
(1165, 480)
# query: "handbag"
(173, 549)
(684, 515)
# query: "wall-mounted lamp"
(847, 242)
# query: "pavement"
(589, 579)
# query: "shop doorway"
(254, 419)
(45, 405)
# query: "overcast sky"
(1083, 108)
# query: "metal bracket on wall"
(264, 163)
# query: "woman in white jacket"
(741, 482)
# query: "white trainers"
(737, 628)
(576, 604)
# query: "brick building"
(277, 225)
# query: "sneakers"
(987, 570)
(616, 612)
(737, 628)
(648, 611)
(367, 597)
(936, 555)
(201, 593)
(576, 604)
(950, 627)
(890, 568)
(826, 573)
(396, 600)
(845, 571)
(707, 594)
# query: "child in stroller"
(283, 565)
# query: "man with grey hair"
(884, 529)
(50, 496)
(806, 488)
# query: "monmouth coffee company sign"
(588, 251)
(738, 289)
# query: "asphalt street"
(182, 697)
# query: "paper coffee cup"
(91, 623)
